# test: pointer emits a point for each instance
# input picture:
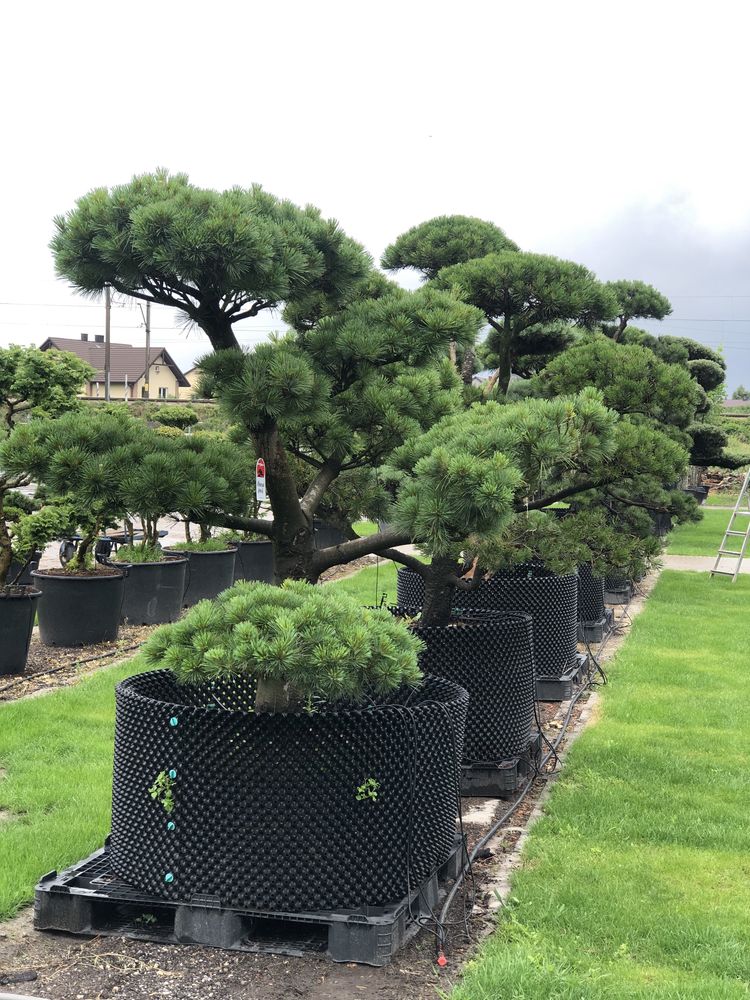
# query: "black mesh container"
(271, 811)
(590, 595)
(552, 602)
(491, 655)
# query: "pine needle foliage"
(319, 642)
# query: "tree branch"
(396, 555)
(345, 552)
(257, 524)
(314, 492)
(591, 484)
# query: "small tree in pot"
(31, 381)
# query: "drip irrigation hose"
(478, 847)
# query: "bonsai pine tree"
(360, 371)
(31, 381)
(635, 300)
(475, 490)
(301, 644)
(523, 296)
(741, 393)
(216, 256)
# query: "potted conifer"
(284, 754)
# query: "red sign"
(260, 480)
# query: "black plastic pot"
(24, 580)
(271, 811)
(154, 591)
(208, 574)
(254, 561)
(490, 655)
(79, 610)
(552, 602)
(698, 492)
(17, 611)
(590, 595)
(327, 534)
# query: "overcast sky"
(611, 133)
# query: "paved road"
(701, 564)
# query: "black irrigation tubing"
(66, 666)
(588, 683)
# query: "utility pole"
(148, 350)
(107, 315)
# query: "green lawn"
(369, 585)
(702, 538)
(721, 500)
(635, 883)
(55, 780)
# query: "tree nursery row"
(522, 446)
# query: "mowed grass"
(56, 766)
(636, 884)
(721, 500)
(55, 780)
(702, 538)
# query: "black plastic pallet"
(596, 631)
(89, 899)
(620, 595)
(563, 687)
(501, 780)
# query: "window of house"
(162, 392)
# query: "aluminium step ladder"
(740, 517)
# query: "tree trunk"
(439, 592)
(293, 541)
(467, 366)
(501, 378)
(276, 696)
(6, 552)
(217, 328)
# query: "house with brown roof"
(128, 373)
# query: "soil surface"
(81, 574)
(49, 667)
(58, 966)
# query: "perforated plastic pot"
(590, 595)
(79, 610)
(271, 811)
(208, 574)
(552, 602)
(254, 561)
(17, 611)
(491, 655)
(154, 591)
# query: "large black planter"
(327, 534)
(154, 591)
(79, 610)
(699, 493)
(254, 561)
(208, 574)
(552, 602)
(17, 612)
(269, 810)
(590, 595)
(490, 655)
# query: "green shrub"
(207, 545)
(176, 416)
(311, 641)
(140, 554)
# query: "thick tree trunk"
(217, 327)
(501, 378)
(293, 542)
(439, 591)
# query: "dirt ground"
(58, 966)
